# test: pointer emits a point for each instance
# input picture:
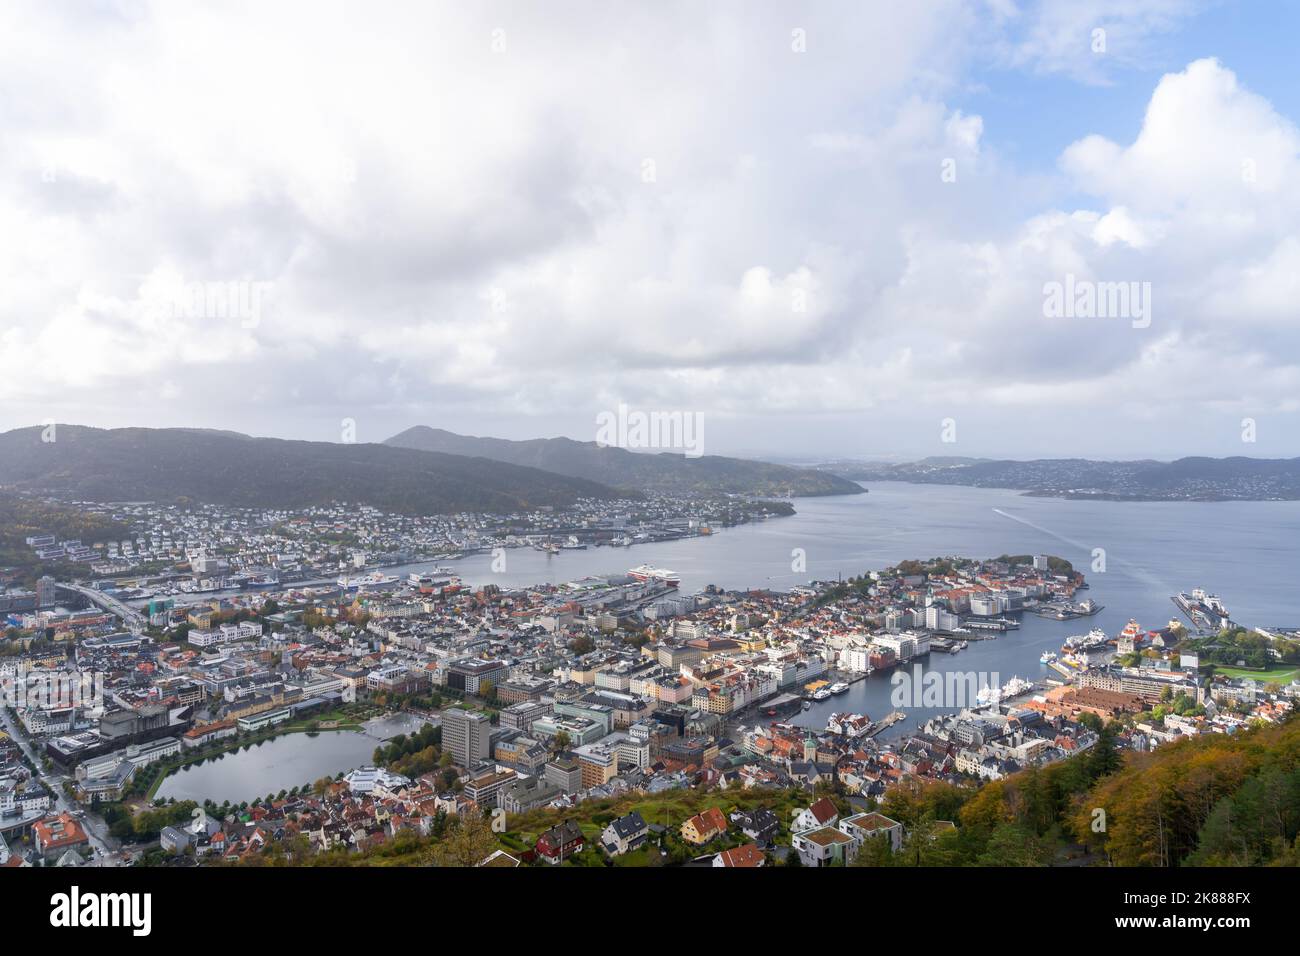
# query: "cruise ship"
(643, 572)
(373, 579)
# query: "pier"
(992, 624)
(886, 723)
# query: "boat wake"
(1140, 573)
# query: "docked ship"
(372, 580)
(1132, 632)
(643, 572)
(1094, 638)
(1204, 610)
(822, 694)
(989, 696)
(839, 687)
(1047, 658)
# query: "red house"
(560, 842)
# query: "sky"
(992, 228)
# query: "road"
(133, 618)
(101, 841)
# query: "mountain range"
(421, 471)
(664, 472)
(1186, 479)
(227, 468)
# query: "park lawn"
(1279, 674)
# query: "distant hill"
(666, 473)
(165, 464)
(1188, 479)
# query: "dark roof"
(563, 833)
(762, 817)
(629, 826)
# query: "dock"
(886, 723)
(991, 624)
(1062, 669)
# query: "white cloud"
(669, 207)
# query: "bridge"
(131, 617)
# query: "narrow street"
(101, 841)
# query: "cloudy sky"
(826, 228)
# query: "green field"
(1281, 674)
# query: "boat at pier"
(1093, 639)
(644, 572)
(988, 696)
(373, 579)
(1204, 610)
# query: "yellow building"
(703, 827)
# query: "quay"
(886, 723)
(991, 624)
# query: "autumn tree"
(467, 843)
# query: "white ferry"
(1094, 638)
(371, 580)
(839, 687)
(643, 572)
(988, 696)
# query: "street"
(101, 841)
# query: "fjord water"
(1247, 552)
